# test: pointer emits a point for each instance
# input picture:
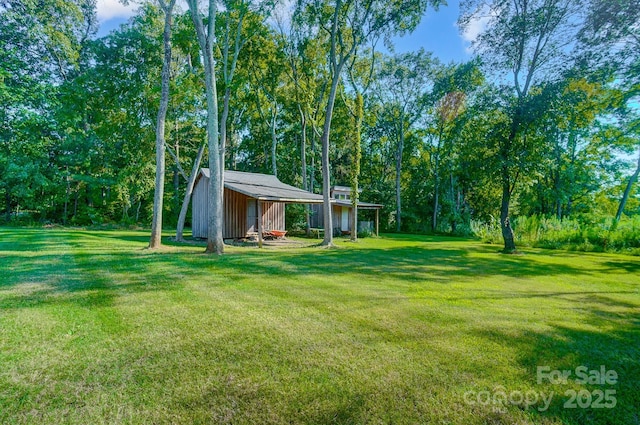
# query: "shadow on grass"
(85, 269)
(89, 262)
(615, 345)
(627, 266)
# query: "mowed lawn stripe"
(391, 330)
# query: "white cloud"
(110, 9)
(476, 26)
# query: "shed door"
(252, 215)
(345, 218)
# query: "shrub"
(586, 233)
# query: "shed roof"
(265, 187)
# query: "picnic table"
(317, 231)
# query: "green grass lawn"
(402, 329)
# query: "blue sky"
(439, 34)
(437, 31)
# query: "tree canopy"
(544, 120)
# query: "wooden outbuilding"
(247, 196)
(342, 213)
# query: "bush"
(586, 233)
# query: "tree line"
(542, 121)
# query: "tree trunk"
(355, 170)
(436, 196)
(399, 174)
(436, 183)
(507, 184)
(571, 172)
(455, 203)
(7, 201)
(223, 128)
(215, 242)
(176, 189)
(303, 167)
(75, 202)
(627, 190)
(326, 172)
(156, 224)
(505, 221)
(66, 197)
(436, 202)
(312, 166)
(176, 171)
(187, 196)
(274, 140)
(557, 179)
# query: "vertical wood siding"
(337, 217)
(273, 216)
(199, 200)
(235, 214)
(236, 222)
(317, 219)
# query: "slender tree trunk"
(557, 186)
(7, 201)
(223, 127)
(505, 221)
(156, 224)
(326, 172)
(66, 198)
(436, 194)
(627, 190)
(436, 183)
(303, 167)
(399, 154)
(75, 202)
(187, 196)
(312, 165)
(557, 179)
(355, 168)
(176, 172)
(571, 171)
(215, 242)
(176, 189)
(223, 141)
(507, 184)
(274, 140)
(455, 203)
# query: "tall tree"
(361, 73)
(191, 78)
(239, 21)
(156, 223)
(348, 25)
(451, 89)
(306, 71)
(611, 35)
(40, 48)
(206, 40)
(528, 39)
(404, 84)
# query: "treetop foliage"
(550, 99)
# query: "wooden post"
(259, 223)
(377, 221)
